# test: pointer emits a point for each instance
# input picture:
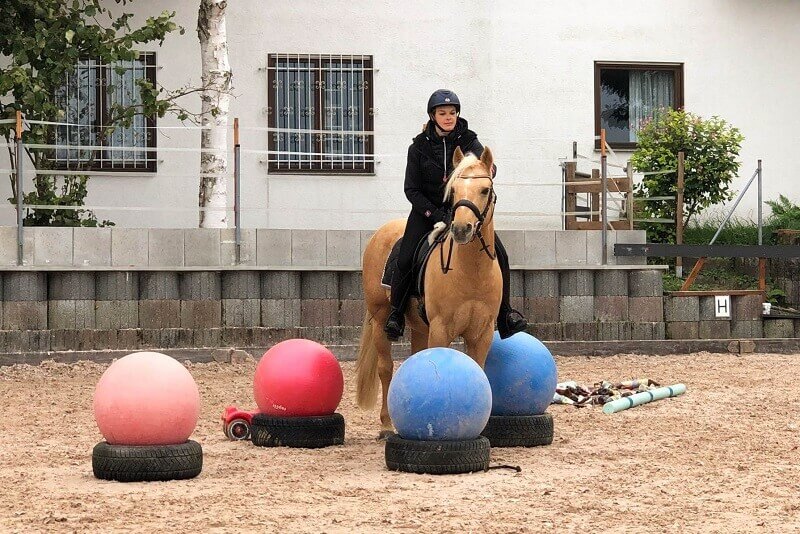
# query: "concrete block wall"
(693, 317)
(141, 248)
(133, 310)
(586, 304)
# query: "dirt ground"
(722, 457)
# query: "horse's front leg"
(477, 347)
(439, 334)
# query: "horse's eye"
(485, 191)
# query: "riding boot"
(401, 289)
(509, 320)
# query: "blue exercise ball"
(439, 394)
(522, 373)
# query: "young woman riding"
(430, 162)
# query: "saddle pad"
(421, 255)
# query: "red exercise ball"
(298, 378)
(146, 398)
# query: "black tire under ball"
(303, 432)
(519, 430)
(140, 463)
(437, 457)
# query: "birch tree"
(216, 81)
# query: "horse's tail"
(367, 367)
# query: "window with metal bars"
(87, 97)
(321, 109)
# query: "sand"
(722, 457)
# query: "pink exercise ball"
(298, 378)
(146, 398)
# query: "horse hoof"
(384, 435)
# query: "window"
(331, 95)
(629, 94)
(87, 98)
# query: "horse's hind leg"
(385, 370)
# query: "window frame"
(677, 71)
(319, 167)
(150, 65)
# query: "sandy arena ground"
(722, 457)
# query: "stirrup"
(511, 322)
(395, 325)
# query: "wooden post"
(594, 198)
(571, 203)
(679, 214)
(762, 274)
(692, 275)
(629, 200)
(604, 197)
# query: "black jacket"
(430, 162)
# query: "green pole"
(643, 398)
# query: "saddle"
(422, 254)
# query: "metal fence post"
(760, 220)
(237, 190)
(679, 213)
(20, 151)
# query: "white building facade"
(529, 75)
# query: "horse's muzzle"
(462, 233)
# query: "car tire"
(140, 463)
(519, 430)
(437, 457)
(303, 432)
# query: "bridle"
(480, 215)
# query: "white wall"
(523, 70)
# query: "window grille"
(87, 98)
(324, 102)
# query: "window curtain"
(344, 110)
(123, 90)
(649, 91)
(77, 97)
(295, 98)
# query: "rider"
(430, 162)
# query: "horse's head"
(471, 194)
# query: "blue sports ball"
(522, 373)
(439, 394)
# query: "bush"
(711, 147)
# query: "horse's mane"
(469, 160)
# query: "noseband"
(480, 215)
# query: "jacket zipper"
(444, 159)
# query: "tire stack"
(298, 385)
(146, 405)
(439, 401)
(523, 377)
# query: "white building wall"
(523, 70)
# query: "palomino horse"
(462, 301)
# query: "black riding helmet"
(443, 97)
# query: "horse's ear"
(487, 158)
(457, 156)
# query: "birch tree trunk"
(216, 79)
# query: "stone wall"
(95, 310)
(143, 248)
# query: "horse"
(462, 283)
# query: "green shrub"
(711, 147)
